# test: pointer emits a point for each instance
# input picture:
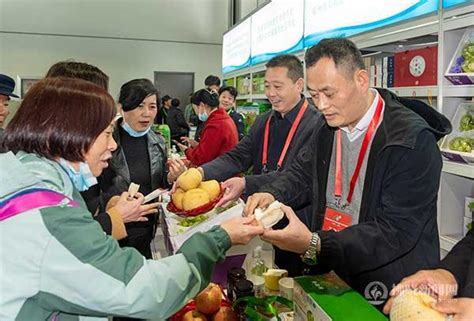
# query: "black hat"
(7, 85)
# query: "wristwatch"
(310, 256)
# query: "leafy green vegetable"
(462, 144)
(466, 123)
(193, 220)
(471, 206)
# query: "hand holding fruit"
(241, 230)
(441, 283)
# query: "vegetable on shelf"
(462, 144)
(465, 62)
(466, 123)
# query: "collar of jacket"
(155, 144)
(219, 113)
(291, 115)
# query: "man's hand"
(295, 237)
(440, 283)
(261, 200)
(191, 142)
(462, 309)
(241, 229)
(132, 210)
(233, 189)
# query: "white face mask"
(82, 179)
(132, 132)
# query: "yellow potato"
(212, 188)
(195, 198)
(189, 179)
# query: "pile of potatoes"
(193, 192)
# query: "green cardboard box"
(327, 298)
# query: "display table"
(175, 235)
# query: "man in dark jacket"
(371, 174)
(454, 276)
(175, 119)
(290, 109)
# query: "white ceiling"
(201, 21)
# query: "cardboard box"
(454, 73)
(417, 67)
(327, 298)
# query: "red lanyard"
(293, 128)
(363, 150)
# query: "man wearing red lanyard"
(273, 142)
(373, 181)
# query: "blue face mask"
(132, 132)
(83, 179)
(203, 117)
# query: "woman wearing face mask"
(140, 157)
(57, 263)
(219, 134)
(227, 96)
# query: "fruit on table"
(269, 216)
(177, 198)
(210, 299)
(466, 123)
(462, 144)
(414, 306)
(194, 315)
(195, 198)
(225, 314)
(190, 179)
(211, 187)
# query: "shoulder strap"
(33, 199)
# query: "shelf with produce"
(459, 169)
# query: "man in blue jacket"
(372, 183)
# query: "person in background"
(453, 277)
(140, 158)
(110, 218)
(161, 116)
(7, 86)
(219, 134)
(212, 82)
(189, 111)
(175, 119)
(362, 172)
(227, 96)
(57, 263)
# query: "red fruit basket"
(195, 211)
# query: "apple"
(225, 314)
(194, 315)
(210, 299)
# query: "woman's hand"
(191, 142)
(132, 210)
(241, 230)
(176, 168)
(182, 147)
